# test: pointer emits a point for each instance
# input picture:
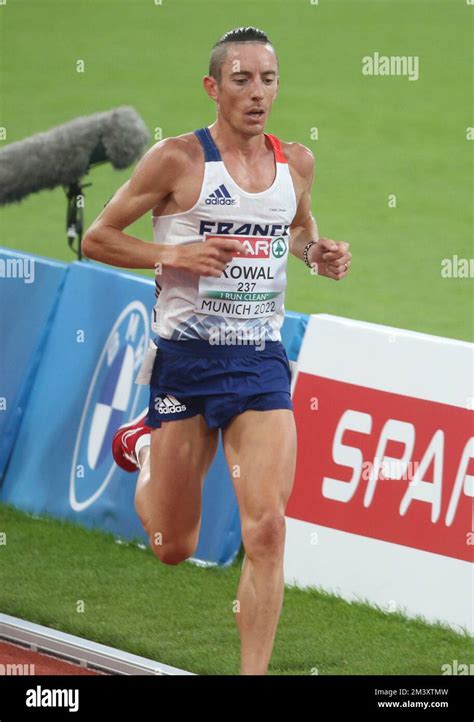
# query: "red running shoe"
(125, 438)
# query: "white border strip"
(79, 650)
(388, 576)
(385, 358)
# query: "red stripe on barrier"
(344, 428)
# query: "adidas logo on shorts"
(168, 405)
(221, 197)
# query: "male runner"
(228, 202)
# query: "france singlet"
(248, 298)
(196, 366)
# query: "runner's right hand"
(207, 258)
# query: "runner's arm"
(153, 179)
(303, 228)
(327, 257)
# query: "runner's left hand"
(330, 258)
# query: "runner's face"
(248, 86)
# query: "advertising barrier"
(382, 505)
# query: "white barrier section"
(382, 509)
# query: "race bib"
(252, 286)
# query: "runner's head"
(243, 78)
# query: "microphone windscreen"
(62, 155)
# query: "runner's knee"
(174, 551)
(171, 553)
(264, 535)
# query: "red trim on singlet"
(278, 150)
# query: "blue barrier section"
(62, 463)
(30, 287)
(84, 389)
(292, 333)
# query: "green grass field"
(377, 136)
(182, 615)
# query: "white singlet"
(248, 297)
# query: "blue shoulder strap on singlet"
(211, 151)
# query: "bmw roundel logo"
(111, 401)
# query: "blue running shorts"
(194, 377)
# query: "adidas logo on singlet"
(168, 405)
(221, 197)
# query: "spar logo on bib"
(279, 247)
(111, 400)
(259, 247)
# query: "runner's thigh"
(260, 449)
(180, 455)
